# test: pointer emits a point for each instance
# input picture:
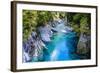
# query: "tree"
(81, 22)
(32, 19)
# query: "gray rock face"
(83, 44)
(33, 49)
(45, 33)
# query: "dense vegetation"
(80, 22)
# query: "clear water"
(62, 47)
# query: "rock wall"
(84, 45)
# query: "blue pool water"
(62, 47)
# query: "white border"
(34, 65)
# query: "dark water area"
(62, 47)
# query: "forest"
(80, 24)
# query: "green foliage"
(32, 19)
(80, 22)
(29, 22)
